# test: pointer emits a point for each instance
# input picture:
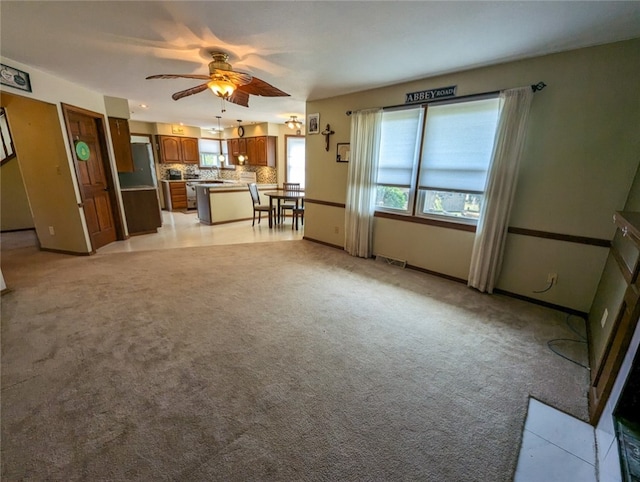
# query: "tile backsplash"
(264, 175)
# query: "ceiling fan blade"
(193, 90)
(179, 76)
(237, 78)
(260, 87)
(240, 98)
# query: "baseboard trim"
(306, 238)
(17, 230)
(435, 273)
(546, 304)
(64, 251)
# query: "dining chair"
(288, 186)
(298, 212)
(259, 208)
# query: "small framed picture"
(343, 152)
(14, 78)
(313, 123)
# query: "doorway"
(94, 174)
(295, 159)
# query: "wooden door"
(91, 172)
(121, 141)
(170, 149)
(190, 150)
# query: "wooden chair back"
(291, 186)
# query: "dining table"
(282, 195)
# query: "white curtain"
(366, 126)
(488, 247)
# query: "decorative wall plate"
(82, 151)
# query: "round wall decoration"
(82, 151)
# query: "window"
(210, 149)
(436, 164)
(399, 147)
(295, 159)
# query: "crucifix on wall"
(327, 133)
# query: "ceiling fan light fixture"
(221, 87)
(293, 122)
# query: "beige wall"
(46, 172)
(579, 161)
(15, 212)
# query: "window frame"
(414, 211)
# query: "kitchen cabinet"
(175, 195)
(175, 149)
(614, 314)
(121, 141)
(261, 150)
(265, 152)
(142, 210)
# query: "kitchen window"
(434, 159)
(210, 150)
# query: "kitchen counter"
(138, 188)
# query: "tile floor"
(556, 447)
(181, 230)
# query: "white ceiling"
(310, 49)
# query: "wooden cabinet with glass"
(178, 149)
(615, 310)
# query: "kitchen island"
(226, 202)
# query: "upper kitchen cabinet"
(121, 140)
(260, 151)
(265, 154)
(179, 149)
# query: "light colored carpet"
(274, 361)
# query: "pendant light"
(221, 157)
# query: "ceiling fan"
(229, 84)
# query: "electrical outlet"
(604, 317)
(552, 278)
(336, 229)
(52, 231)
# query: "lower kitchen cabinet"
(175, 195)
(142, 209)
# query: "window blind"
(399, 145)
(458, 144)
